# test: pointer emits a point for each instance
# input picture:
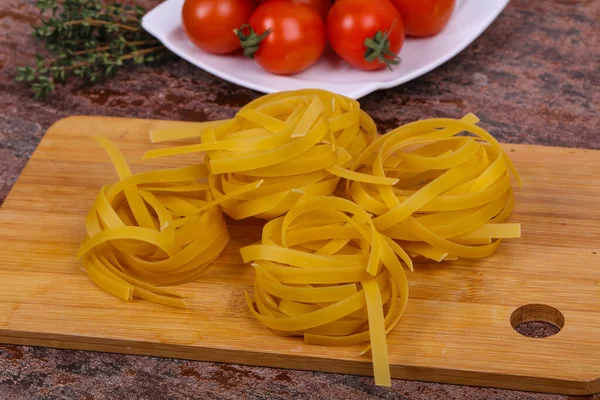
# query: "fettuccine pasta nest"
(299, 143)
(324, 272)
(152, 229)
(453, 193)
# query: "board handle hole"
(537, 320)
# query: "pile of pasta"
(151, 229)
(297, 143)
(324, 272)
(330, 264)
(453, 193)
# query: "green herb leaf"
(88, 40)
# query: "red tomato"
(284, 37)
(321, 6)
(351, 22)
(424, 17)
(210, 23)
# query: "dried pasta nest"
(325, 273)
(298, 143)
(453, 192)
(152, 229)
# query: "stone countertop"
(532, 77)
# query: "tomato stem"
(378, 48)
(249, 39)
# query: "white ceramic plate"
(419, 56)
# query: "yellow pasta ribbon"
(299, 144)
(154, 228)
(324, 272)
(452, 193)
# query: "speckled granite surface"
(532, 77)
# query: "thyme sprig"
(89, 39)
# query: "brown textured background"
(532, 77)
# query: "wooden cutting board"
(457, 327)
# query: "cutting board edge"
(296, 362)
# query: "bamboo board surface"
(457, 326)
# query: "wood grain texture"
(457, 327)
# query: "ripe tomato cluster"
(288, 36)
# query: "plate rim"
(359, 90)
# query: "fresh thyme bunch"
(89, 39)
